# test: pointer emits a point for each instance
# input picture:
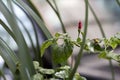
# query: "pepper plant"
(61, 52)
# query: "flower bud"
(79, 25)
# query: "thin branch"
(58, 14)
(83, 43)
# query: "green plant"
(61, 52)
(22, 65)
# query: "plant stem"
(97, 20)
(104, 36)
(33, 7)
(112, 70)
(83, 43)
(58, 14)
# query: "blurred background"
(73, 11)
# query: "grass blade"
(12, 60)
(7, 29)
(32, 6)
(8, 55)
(23, 49)
(35, 17)
(29, 36)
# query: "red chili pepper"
(79, 25)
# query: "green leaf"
(113, 42)
(114, 56)
(36, 64)
(79, 40)
(45, 45)
(103, 54)
(65, 68)
(110, 55)
(62, 52)
(106, 42)
(42, 70)
(90, 46)
(46, 71)
(63, 74)
(57, 34)
(94, 45)
(97, 47)
(117, 36)
(38, 76)
(78, 77)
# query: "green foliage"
(78, 77)
(114, 56)
(103, 54)
(8, 55)
(57, 74)
(62, 52)
(45, 45)
(113, 41)
(38, 76)
(46, 71)
(42, 70)
(94, 45)
(79, 40)
(110, 55)
(62, 74)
